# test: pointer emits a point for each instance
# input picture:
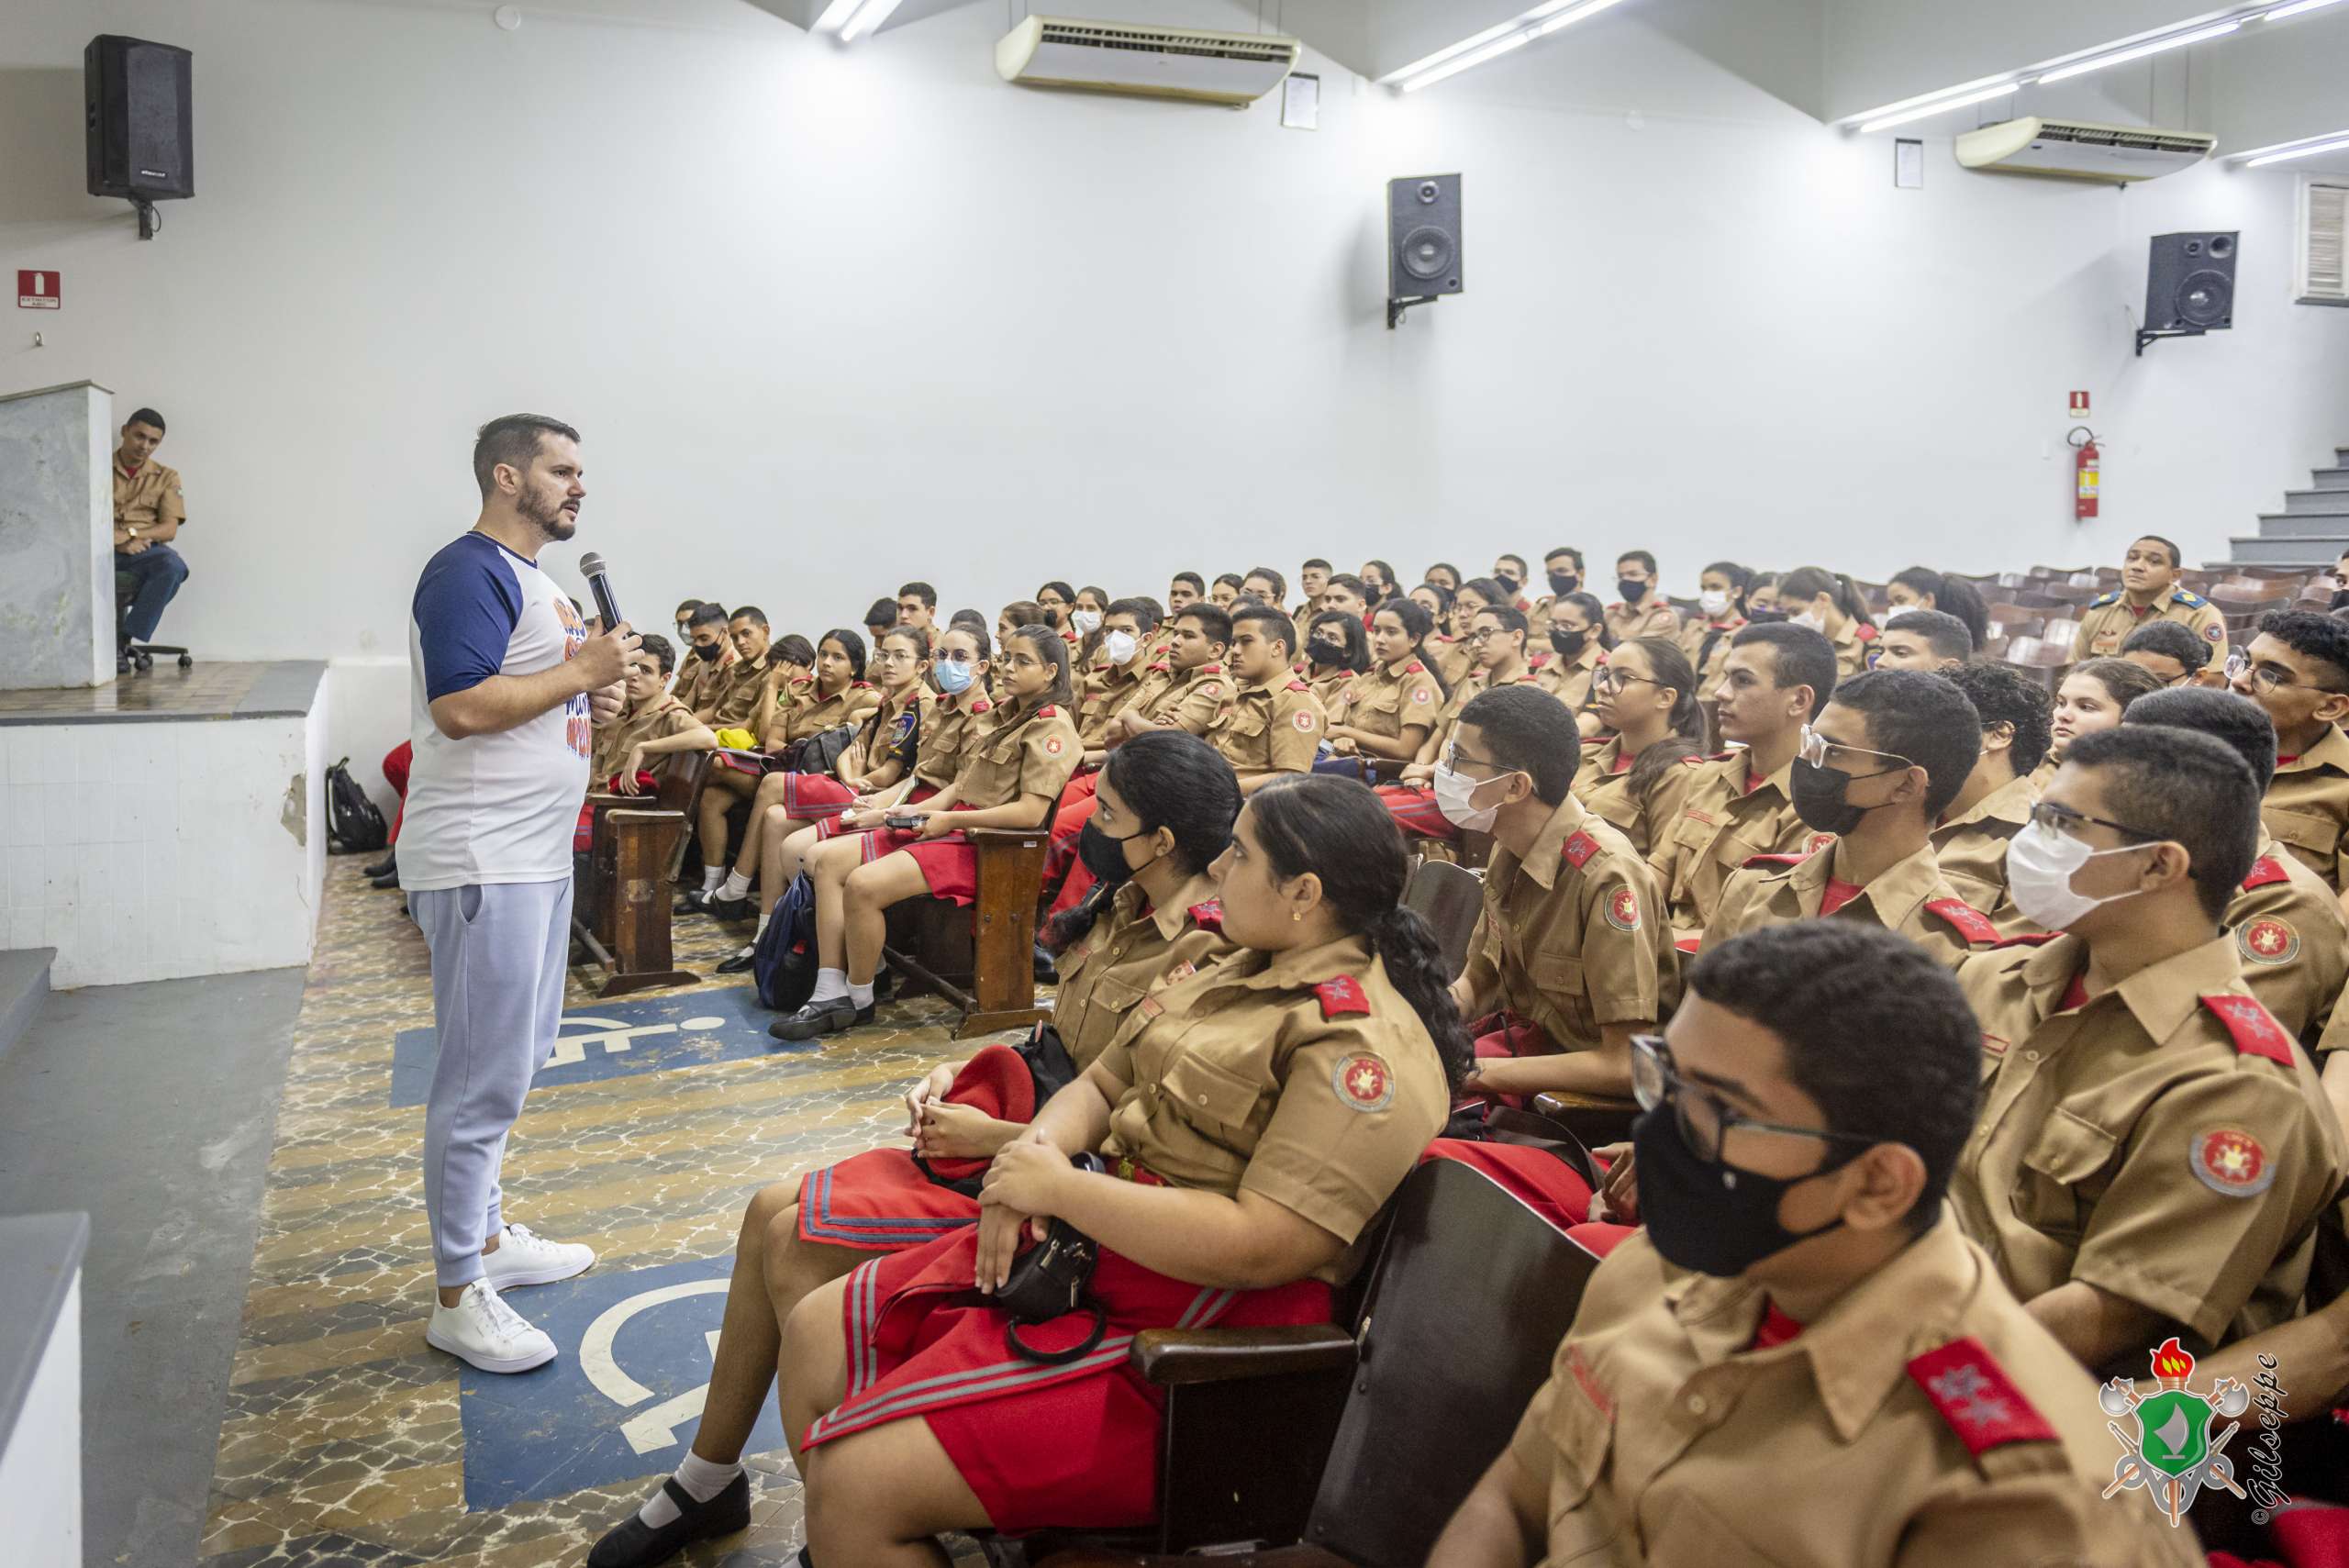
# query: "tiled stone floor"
(344, 1440)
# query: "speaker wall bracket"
(148, 222)
(2143, 336)
(1395, 307)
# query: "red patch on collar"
(1047, 711)
(2265, 870)
(1342, 997)
(1978, 1399)
(1865, 632)
(1209, 669)
(1580, 846)
(1970, 922)
(1298, 686)
(1207, 916)
(2255, 1029)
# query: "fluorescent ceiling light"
(1926, 111)
(1493, 42)
(836, 16)
(867, 17)
(2121, 57)
(2340, 144)
(2295, 8)
(1939, 96)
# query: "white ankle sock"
(702, 1479)
(832, 984)
(764, 916)
(736, 885)
(860, 995)
(711, 876)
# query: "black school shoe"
(389, 862)
(820, 1018)
(740, 960)
(635, 1544)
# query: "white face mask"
(1119, 646)
(1085, 622)
(1809, 619)
(1451, 795)
(2040, 865)
(1713, 602)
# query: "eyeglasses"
(897, 656)
(1472, 638)
(2063, 819)
(1816, 750)
(1454, 759)
(956, 656)
(1704, 1118)
(2266, 677)
(1608, 678)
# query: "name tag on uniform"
(1704, 817)
(1151, 1007)
(1183, 971)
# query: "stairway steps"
(2331, 478)
(2316, 504)
(2315, 551)
(2303, 524)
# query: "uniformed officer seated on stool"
(2148, 592)
(1801, 1359)
(2153, 1152)
(147, 511)
(2298, 669)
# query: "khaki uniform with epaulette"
(2307, 807)
(1972, 850)
(1273, 728)
(1727, 819)
(1909, 898)
(2108, 620)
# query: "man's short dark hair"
(794, 648)
(2171, 640)
(1530, 731)
(512, 439)
(1272, 624)
(1510, 616)
(1214, 623)
(1836, 992)
(1512, 555)
(709, 612)
(1198, 584)
(663, 652)
(1145, 612)
(1944, 634)
(1642, 556)
(1348, 582)
(2000, 695)
(1800, 657)
(2181, 785)
(750, 613)
(2312, 635)
(1550, 555)
(923, 591)
(882, 613)
(2177, 556)
(2240, 722)
(1922, 717)
(1310, 565)
(149, 416)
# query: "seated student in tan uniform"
(1580, 644)
(1312, 577)
(1119, 677)
(1720, 615)
(2298, 669)
(2174, 656)
(1224, 592)
(835, 697)
(917, 607)
(1273, 726)
(2151, 1152)
(1970, 840)
(2091, 698)
(1564, 571)
(792, 656)
(1830, 603)
(1776, 680)
(1019, 771)
(1498, 639)
(1166, 807)
(1569, 960)
(1444, 642)
(1875, 768)
(1013, 616)
(707, 651)
(1388, 712)
(741, 688)
(1183, 590)
(1446, 576)
(880, 619)
(1801, 1359)
(685, 608)
(1637, 777)
(1921, 588)
(1643, 610)
(1761, 597)
(1255, 1116)
(1379, 583)
(1509, 571)
(1336, 649)
(2149, 591)
(652, 731)
(1923, 640)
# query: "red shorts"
(1507, 1035)
(1061, 863)
(950, 866)
(1415, 811)
(879, 1202)
(815, 796)
(1075, 1445)
(828, 826)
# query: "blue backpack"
(784, 964)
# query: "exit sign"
(36, 291)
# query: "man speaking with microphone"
(506, 685)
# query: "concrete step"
(2315, 551)
(24, 986)
(2303, 524)
(2331, 478)
(2315, 502)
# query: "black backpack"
(784, 964)
(355, 825)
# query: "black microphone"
(600, 586)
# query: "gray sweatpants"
(499, 950)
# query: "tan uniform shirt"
(700, 682)
(1909, 897)
(2308, 809)
(1604, 786)
(1191, 702)
(2108, 620)
(1723, 824)
(1301, 1076)
(1036, 755)
(1130, 950)
(1478, 682)
(145, 499)
(1107, 689)
(796, 711)
(1654, 618)
(1451, 656)
(1569, 679)
(741, 690)
(892, 730)
(1663, 1438)
(1853, 645)
(1270, 730)
(657, 720)
(1972, 850)
(2292, 940)
(1326, 688)
(1571, 939)
(1386, 702)
(2164, 1141)
(951, 728)
(1711, 663)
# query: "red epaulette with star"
(1298, 686)
(1209, 669)
(1580, 846)
(2265, 870)
(1342, 997)
(1970, 922)
(1207, 916)
(2255, 1029)
(1865, 632)
(1048, 711)
(1162, 669)
(981, 704)
(1415, 668)
(1977, 1398)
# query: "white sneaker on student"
(523, 1259)
(484, 1331)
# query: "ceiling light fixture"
(1926, 111)
(2295, 8)
(1493, 42)
(2121, 57)
(2339, 144)
(835, 17)
(866, 17)
(1929, 101)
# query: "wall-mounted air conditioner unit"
(1236, 69)
(2076, 149)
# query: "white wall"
(830, 319)
(41, 1456)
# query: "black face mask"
(1763, 616)
(1709, 1215)
(1508, 583)
(1569, 644)
(1105, 857)
(1819, 799)
(1629, 590)
(1564, 581)
(705, 650)
(1322, 651)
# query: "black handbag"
(819, 753)
(1051, 1280)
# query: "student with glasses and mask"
(2152, 1150)
(1637, 777)
(1801, 1359)
(2298, 669)
(1497, 640)
(1642, 611)
(1874, 771)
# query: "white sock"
(711, 876)
(860, 995)
(736, 885)
(702, 1479)
(832, 984)
(764, 916)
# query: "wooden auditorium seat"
(982, 959)
(620, 911)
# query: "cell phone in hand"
(904, 822)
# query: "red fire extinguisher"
(2088, 469)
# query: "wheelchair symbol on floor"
(613, 1038)
(654, 1428)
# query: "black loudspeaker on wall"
(2190, 286)
(137, 119)
(1423, 237)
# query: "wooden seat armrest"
(1562, 1102)
(1014, 835)
(1169, 1357)
(600, 797)
(636, 812)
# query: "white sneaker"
(523, 1259)
(482, 1330)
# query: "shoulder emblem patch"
(1978, 1399)
(2255, 1030)
(1818, 842)
(2265, 870)
(1623, 909)
(1364, 1082)
(1207, 916)
(1580, 846)
(1305, 721)
(1051, 745)
(2216, 631)
(1342, 997)
(2269, 941)
(2231, 1164)
(1865, 632)
(1421, 694)
(1970, 922)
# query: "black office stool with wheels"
(142, 656)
